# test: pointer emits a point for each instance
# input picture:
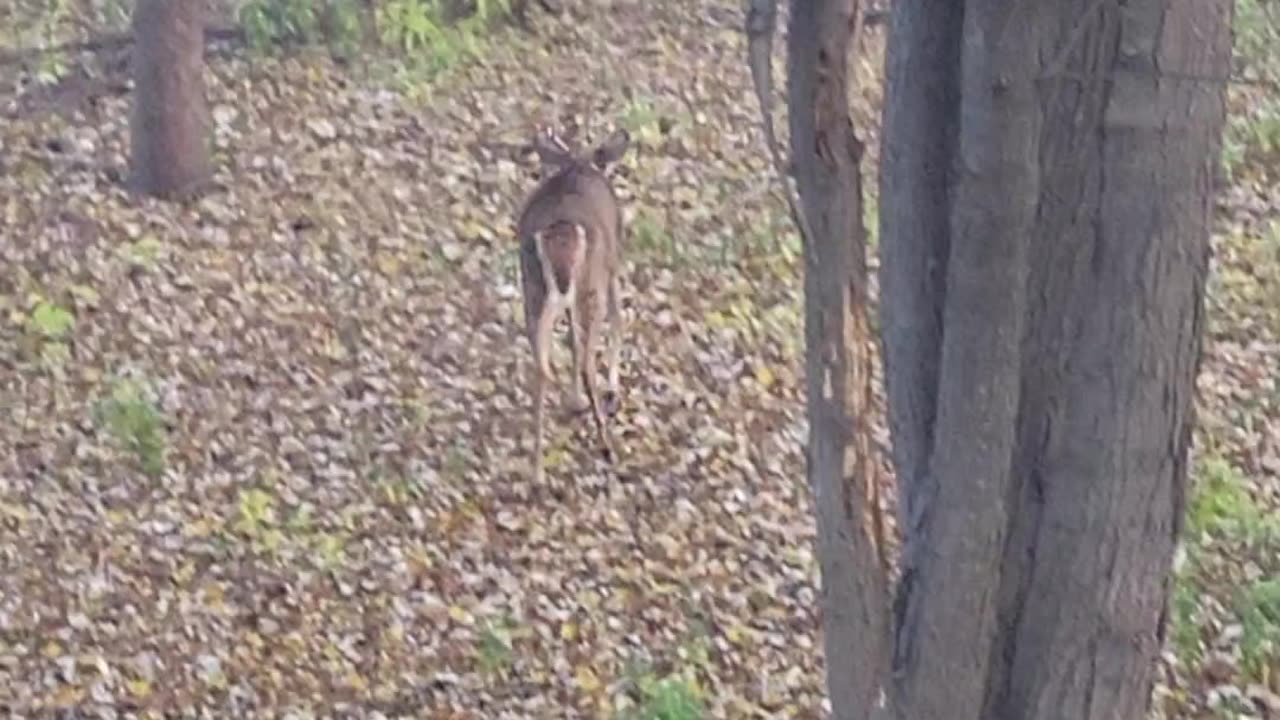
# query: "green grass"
(650, 239)
(1259, 609)
(641, 117)
(1225, 522)
(1252, 137)
(668, 698)
(426, 37)
(136, 424)
(1222, 508)
(494, 650)
(50, 321)
(1186, 612)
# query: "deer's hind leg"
(612, 401)
(587, 320)
(574, 400)
(541, 340)
(539, 389)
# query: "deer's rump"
(561, 244)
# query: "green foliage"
(1253, 128)
(1244, 289)
(1222, 508)
(300, 22)
(329, 549)
(493, 648)
(50, 320)
(675, 695)
(412, 25)
(398, 490)
(428, 35)
(135, 423)
(435, 35)
(144, 252)
(1253, 134)
(256, 511)
(1223, 511)
(115, 13)
(650, 239)
(50, 324)
(52, 66)
(1257, 29)
(258, 521)
(455, 463)
(640, 117)
(1185, 616)
(1259, 610)
(669, 698)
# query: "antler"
(551, 148)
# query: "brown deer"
(570, 232)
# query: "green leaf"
(51, 321)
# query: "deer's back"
(577, 196)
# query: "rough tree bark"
(947, 618)
(917, 139)
(1119, 259)
(170, 128)
(827, 157)
(1047, 192)
(1041, 425)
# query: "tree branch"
(762, 20)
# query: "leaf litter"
(327, 351)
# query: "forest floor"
(271, 449)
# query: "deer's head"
(557, 156)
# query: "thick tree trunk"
(827, 158)
(1119, 263)
(170, 129)
(1040, 396)
(1047, 198)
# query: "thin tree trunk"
(827, 158)
(917, 141)
(170, 129)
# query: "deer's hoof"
(611, 402)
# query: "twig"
(762, 19)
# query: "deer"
(570, 233)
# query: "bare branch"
(762, 19)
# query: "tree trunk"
(170, 129)
(918, 134)
(827, 158)
(947, 623)
(1046, 205)
(1119, 258)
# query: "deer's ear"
(612, 149)
(550, 148)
